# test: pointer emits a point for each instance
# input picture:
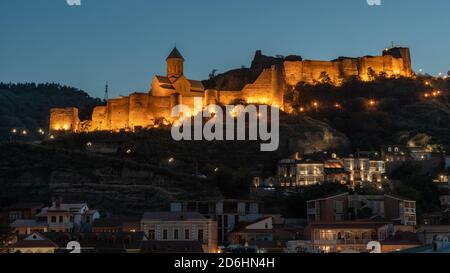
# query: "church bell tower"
(175, 63)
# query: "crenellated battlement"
(143, 110)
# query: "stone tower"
(277, 85)
(405, 55)
(175, 63)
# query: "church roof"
(195, 85)
(175, 54)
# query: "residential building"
(259, 230)
(328, 208)
(59, 217)
(63, 217)
(34, 243)
(227, 213)
(443, 180)
(335, 172)
(180, 226)
(395, 153)
(420, 153)
(339, 207)
(347, 236)
(264, 235)
(400, 209)
(23, 211)
(29, 226)
(400, 241)
(117, 224)
(429, 233)
(300, 173)
(99, 242)
(364, 169)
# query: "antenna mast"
(106, 92)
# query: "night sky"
(125, 42)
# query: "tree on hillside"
(324, 78)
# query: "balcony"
(343, 242)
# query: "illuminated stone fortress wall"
(143, 110)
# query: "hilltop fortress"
(143, 110)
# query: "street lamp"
(13, 133)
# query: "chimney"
(58, 202)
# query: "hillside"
(27, 106)
(385, 111)
(117, 185)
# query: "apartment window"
(339, 207)
(165, 234)
(88, 219)
(186, 234)
(61, 219)
(151, 234)
(72, 219)
(53, 219)
(15, 215)
(200, 234)
(175, 234)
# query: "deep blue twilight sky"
(125, 42)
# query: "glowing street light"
(171, 160)
(14, 131)
(24, 132)
(372, 103)
(315, 104)
(338, 106)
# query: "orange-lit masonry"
(142, 110)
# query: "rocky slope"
(37, 173)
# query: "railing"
(343, 242)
